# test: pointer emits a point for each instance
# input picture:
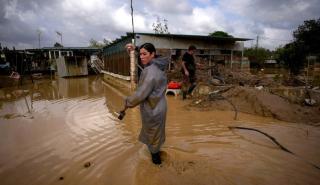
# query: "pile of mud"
(258, 102)
(249, 79)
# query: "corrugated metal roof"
(201, 37)
(69, 48)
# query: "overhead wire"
(268, 38)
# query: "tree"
(106, 42)
(161, 26)
(306, 42)
(219, 34)
(96, 44)
(308, 35)
(292, 55)
(57, 45)
(257, 56)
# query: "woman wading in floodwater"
(150, 94)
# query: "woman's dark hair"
(149, 47)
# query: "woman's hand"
(130, 47)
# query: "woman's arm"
(144, 89)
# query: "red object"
(174, 85)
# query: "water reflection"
(68, 88)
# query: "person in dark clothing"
(189, 72)
(150, 94)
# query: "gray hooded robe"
(150, 94)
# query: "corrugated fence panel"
(118, 63)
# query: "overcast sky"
(82, 20)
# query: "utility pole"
(257, 45)
(132, 55)
(132, 22)
(39, 35)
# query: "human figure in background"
(150, 94)
(189, 72)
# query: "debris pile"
(254, 101)
(220, 88)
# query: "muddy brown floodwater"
(66, 132)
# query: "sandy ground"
(66, 132)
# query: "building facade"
(210, 50)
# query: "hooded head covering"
(161, 62)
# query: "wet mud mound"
(259, 102)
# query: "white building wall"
(182, 43)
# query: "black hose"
(220, 97)
(275, 141)
(270, 137)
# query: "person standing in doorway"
(150, 94)
(189, 72)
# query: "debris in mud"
(310, 102)
(247, 79)
(61, 178)
(256, 94)
(11, 116)
(87, 164)
(13, 94)
(252, 101)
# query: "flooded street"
(66, 132)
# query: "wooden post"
(242, 52)
(132, 70)
(231, 60)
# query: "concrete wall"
(72, 66)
